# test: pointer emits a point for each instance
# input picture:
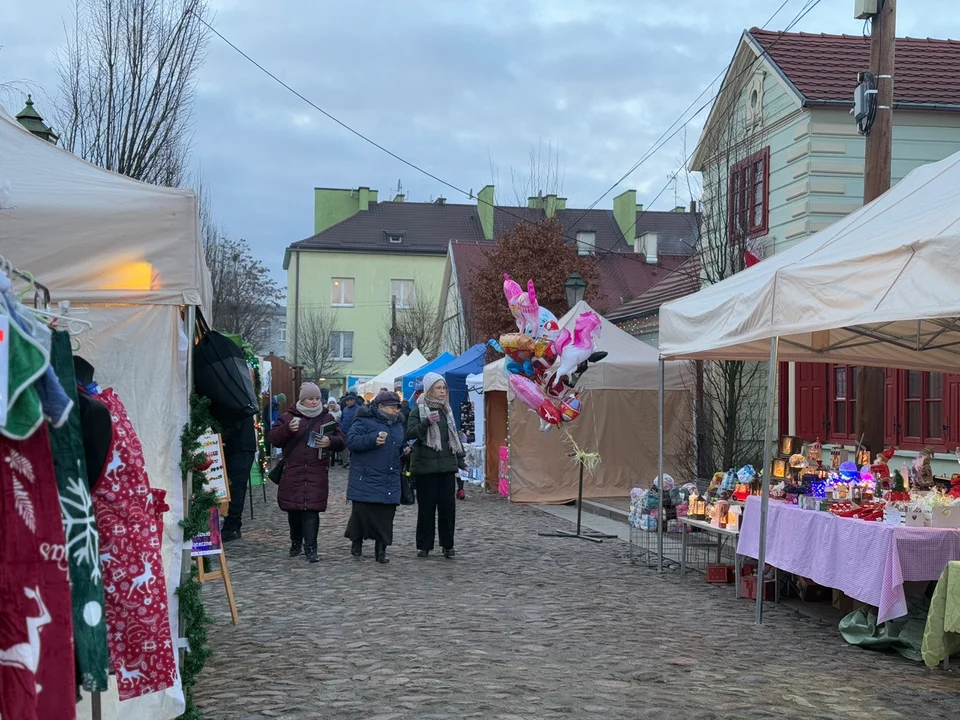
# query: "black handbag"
(407, 494)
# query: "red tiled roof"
(682, 281)
(824, 67)
(624, 276)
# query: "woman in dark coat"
(304, 484)
(375, 440)
(437, 455)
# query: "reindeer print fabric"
(129, 515)
(36, 634)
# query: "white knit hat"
(431, 379)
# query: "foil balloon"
(570, 407)
(512, 292)
(576, 348)
(546, 327)
(529, 308)
(519, 348)
(532, 396)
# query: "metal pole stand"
(589, 535)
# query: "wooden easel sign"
(209, 544)
(216, 474)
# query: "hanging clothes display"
(36, 636)
(80, 528)
(129, 516)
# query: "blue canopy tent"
(410, 379)
(456, 371)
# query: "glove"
(461, 495)
(433, 416)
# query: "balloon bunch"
(543, 362)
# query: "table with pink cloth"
(869, 561)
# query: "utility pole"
(394, 342)
(871, 382)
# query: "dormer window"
(395, 238)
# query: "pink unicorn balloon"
(530, 309)
(513, 294)
(574, 349)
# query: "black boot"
(296, 547)
(381, 552)
(356, 548)
(311, 527)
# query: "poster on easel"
(208, 543)
(216, 473)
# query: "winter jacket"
(425, 460)
(347, 414)
(374, 470)
(304, 484)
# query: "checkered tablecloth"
(869, 561)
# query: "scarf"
(426, 404)
(384, 418)
(311, 412)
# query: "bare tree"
(317, 340)
(730, 395)
(127, 83)
(542, 176)
(417, 325)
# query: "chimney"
(693, 206)
(440, 201)
(364, 198)
(399, 197)
(332, 205)
(625, 213)
(485, 210)
(679, 208)
(647, 244)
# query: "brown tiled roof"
(624, 276)
(824, 67)
(682, 281)
(468, 258)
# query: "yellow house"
(342, 281)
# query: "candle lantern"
(791, 445)
(863, 456)
(778, 468)
(815, 452)
(797, 463)
(836, 457)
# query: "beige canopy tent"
(618, 421)
(131, 253)
(878, 288)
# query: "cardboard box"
(809, 591)
(748, 588)
(720, 574)
(945, 517)
(844, 603)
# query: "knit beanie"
(309, 390)
(431, 379)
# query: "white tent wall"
(401, 366)
(141, 352)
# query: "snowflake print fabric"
(129, 516)
(80, 529)
(36, 635)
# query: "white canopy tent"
(620, 395)
(131, 252)
(401, 366)
(878, 288)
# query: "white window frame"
(404, 303)
(282, 334)
(586, 242)
(395, 239)
(336, 345)
(343, 293)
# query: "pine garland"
(193, 613)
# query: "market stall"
(619, 396)
(401, 366)
(130, 253)
(409, 379)
(877, 288)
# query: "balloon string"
(590, 460)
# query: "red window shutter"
(951, 411)
(891, 409)
(811, 390)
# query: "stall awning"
(879, 287)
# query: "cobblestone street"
(518, 626)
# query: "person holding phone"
(304, 484)
(437, 456)
(375, 440)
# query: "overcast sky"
(457, 87)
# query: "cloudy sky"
(463, 89)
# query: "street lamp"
(575, 287)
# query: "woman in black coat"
(375, 440)
(437, 456)
(304, 484)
